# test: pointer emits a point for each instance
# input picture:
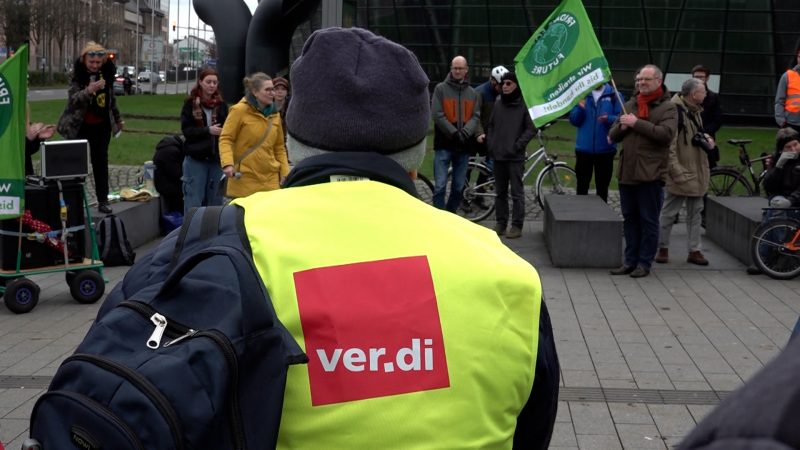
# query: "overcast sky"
(182, 14)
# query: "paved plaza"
(642, 359)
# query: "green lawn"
(148, 118)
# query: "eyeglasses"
(639, 80)
(96, 53)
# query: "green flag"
(13, 98)
(560, 63)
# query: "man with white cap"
(407, 347)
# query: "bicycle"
(775, 246)
(556, 177)
(726, 181)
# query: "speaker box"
(64, 159)
(44, 204)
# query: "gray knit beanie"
(355, 91)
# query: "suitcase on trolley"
(43, 200)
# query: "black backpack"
(113, 244)
(186, 353)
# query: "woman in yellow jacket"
(251, 147)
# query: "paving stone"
(630, 413)
(579, 378)
(652, 380)
(672, 420)
(591, 418)
(563, 435)
(698, 412)
(724, 382)
(598, 442)
(683, 372)
(640, 436)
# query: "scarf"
(267, 110)
(511, 97)
(642, 101)
(200, 102)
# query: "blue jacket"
(593, 135)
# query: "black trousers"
(99, 136)
(602, 164)
(505, 173)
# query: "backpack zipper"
(184, 332)
(102, 410)
(144, 385)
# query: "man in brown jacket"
(646, 131)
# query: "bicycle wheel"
(424, 188)
(558, 179)
(727, 182)
(478, 194)
(774, 251)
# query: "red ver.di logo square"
(371, 329)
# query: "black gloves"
(461, 136)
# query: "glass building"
(747, 44)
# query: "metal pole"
(153, 84)
(176, 48)
(136, 70)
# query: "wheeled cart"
(35, 254)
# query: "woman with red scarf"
(202, 117)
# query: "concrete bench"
(731, 222)
(582, 231)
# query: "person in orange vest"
(407, 347)
(787, 97)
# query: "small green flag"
(13, 98)
(560, 63)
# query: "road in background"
(35, 95)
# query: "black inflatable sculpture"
(257, 43)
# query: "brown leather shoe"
(640, 272)
(514, 233)
(663, 256)
(622, 270)
(696, 257)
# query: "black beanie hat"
(510, 76)
(355, 91)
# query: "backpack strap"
(202, 226)
(176, 253)
(105, 235)
(209, 226)
(122, 239)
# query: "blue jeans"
(201, 181)
(441, 164)
(641, 208)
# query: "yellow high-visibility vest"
(421, 328)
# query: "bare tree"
(16, 19)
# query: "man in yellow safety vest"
(422, 329)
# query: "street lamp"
(136, 70)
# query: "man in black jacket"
(508, 133)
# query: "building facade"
(746, 43)
(60, 28)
